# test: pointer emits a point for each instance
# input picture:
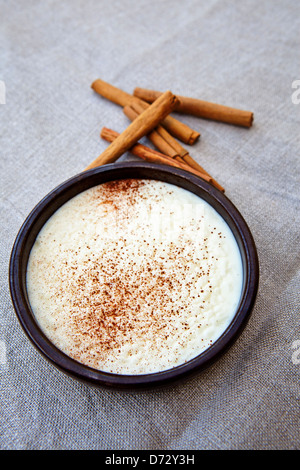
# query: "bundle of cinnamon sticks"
(150, 115)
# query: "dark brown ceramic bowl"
(41, 213)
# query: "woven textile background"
(242, 54)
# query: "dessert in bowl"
(133, 275)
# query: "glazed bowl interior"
(139, 170)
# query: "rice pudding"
(134, 276)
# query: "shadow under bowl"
(139, 170)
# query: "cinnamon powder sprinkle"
(134, 276)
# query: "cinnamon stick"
(112, 93)
(153, 136)
(165, 143)
(203, 109)
(140, 127)
(122, 98)
(153, 156)
(164, 134)
(138, 149)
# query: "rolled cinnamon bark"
(154, 135)
(165, 135)
(165, 143)
(112, 93)
(203, 109)
(153, 156)
(122, 98)
(140, 127)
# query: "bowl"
(140, 170)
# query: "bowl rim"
(69, 188)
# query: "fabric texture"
(241, 54)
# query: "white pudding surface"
(134, 277)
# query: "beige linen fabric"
(243, 54)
